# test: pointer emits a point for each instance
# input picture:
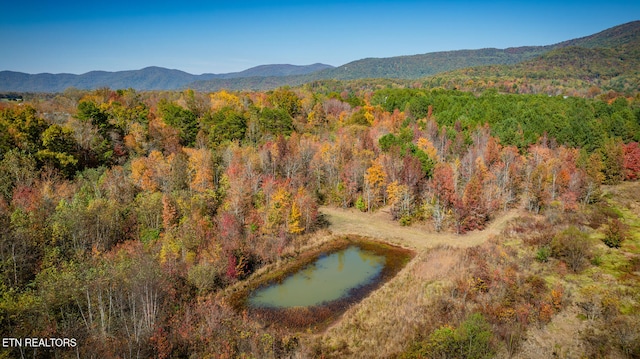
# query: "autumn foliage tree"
(476, 212)
(444, 194)
(631, 161)
(374, 180)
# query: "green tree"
(426, 163)
(59, 149)
(275, 122)
(183, 120)
(91, 112)
(613, 161)
(102, 144)
(16, 167)
(21, 128)
(286, 100)
(615, 233)
(418, 107)
(148, 209)
(128, 109)
(22, 247)
(226, 125)
(6, 142)
(387, 141)
(474, 335)
(359, 118)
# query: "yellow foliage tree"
(148, 172)
(375, 175)
(368, 114)
(426, 145)
(200, 169)
(317, 115)
(374, 179)
(277, 211)
(294, 219)
(223, 98)
(395, 192)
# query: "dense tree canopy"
(146, 205)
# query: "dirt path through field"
(379, 225)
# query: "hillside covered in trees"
(126, 217)
(574, 71)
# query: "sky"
(45, 36)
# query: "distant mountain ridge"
(430, 64)
(399, 67)
(148, 78)
(275, 70)
(622, 40)
(144, 79)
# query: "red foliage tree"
(169, 213)
(473, 201)
(631, 161)
(26, 198)
(411, 174)
(230, 230)
(444, 195)
(232, 262)
(442, 184)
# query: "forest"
(126, 217)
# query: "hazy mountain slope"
(150, 78)
(416, 66)
(275, 71)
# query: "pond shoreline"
(316, 318)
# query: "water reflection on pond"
(329, 278)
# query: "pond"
(329, 278)
(315, 288)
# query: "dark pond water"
(329, 278)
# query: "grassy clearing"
(603, 316)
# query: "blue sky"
(220, 37)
